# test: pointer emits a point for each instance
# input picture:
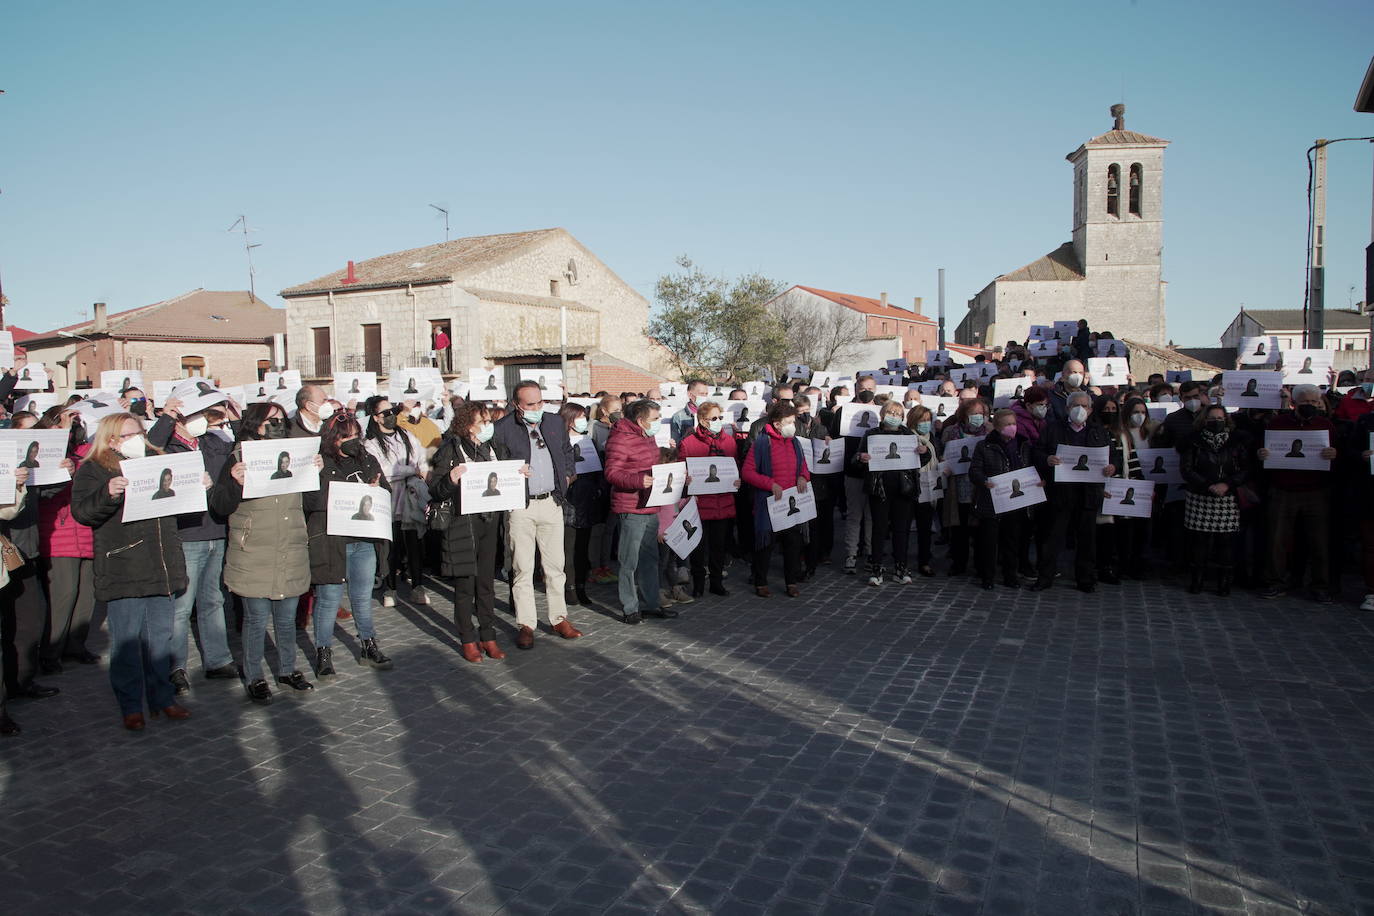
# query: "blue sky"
(856, 146)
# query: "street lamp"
(66, 363)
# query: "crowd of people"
(72, 563)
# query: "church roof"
(866, 305)
(1291, 319)
(439, 263)
(1060, 264)
(1123, 138)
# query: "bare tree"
(821, 337)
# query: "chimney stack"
(1118, 117)
(352, 276)
(883, 298)
(916, 305)
(98, 313)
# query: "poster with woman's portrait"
(354, 386)
(550, 382)
(857, 419)
(1259, 351)
(1252, 389)
(277, 466)
(1296, 449)
(893, 453)
(826, 456)
(161, 485)
(288, 380)
(684, 533)
(586, 459)
(669, 482)
(1308, 367)
(792, 508)
(1078, 463)
(1129, 498)
(715, 474)
(1016, 490)
(1108, 370)
(121, 380)
(410, 386)
(357, 510)
(492, 486)
(1007, 390)
(486, 384)
(32, 377)
(1160, 465)
(41, 451)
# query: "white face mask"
(196, 427)
(1078, 414)
(1073, 379)
(1138, 419)
(1191, 405)
(788, 430)
(325, 410)
(1039, 410)
(134, 447)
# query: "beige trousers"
(539, 524)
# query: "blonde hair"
(111, 427)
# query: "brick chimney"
(1118, 117)
(916, 304)
(882, 297)
(352, 276)
(98, 313)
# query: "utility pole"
(942, 308)
(1316, 317)
(242, 222)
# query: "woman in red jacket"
(710, 439)
(68, 566)
(631, 453)
(775, 464)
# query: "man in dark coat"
(1076, 504)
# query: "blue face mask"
(485, 432)
(976, 420)
(892, 422)
(652, 430)
(923, 427)
(715, 426)
(533, 416)
(580, 425)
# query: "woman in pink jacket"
(775, 464)
(631, 453)
(68, 565)
(710, 439)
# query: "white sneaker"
(875, 580)
(388, 599)
(1368, 604)
(680, 595)
(419, 596)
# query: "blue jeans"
(255, 614)
(204, 592)
(638, 562)
(140, 662)
(360, 566)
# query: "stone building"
(888, 331)
(500, 299)
(1110, 273)
(227, 336)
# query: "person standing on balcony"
(441, 345)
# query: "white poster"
(1007, 390)
(162, 390)
(550, 382)
(1173, 376)
(1158, 410)
(409, 386)
(196, 395)
(1296, 449)
(277, 466)
(37, 401)
(32, 377)
(1308, 367)
(1044, 348)
(714, 474)
(1040, 332)
(1251, 389)
(1080, 464)
(893, 453)
(827, 456)
(897, 365)
(1064, 330)
(1131, 498)
(41, 451)
(281, 381)
(161, 485)
(7, 483)
(798, 371)
(857, 419)
(754, 390)
(1160, 465)
(1109, 348)
(1016, 490)
(663, 438)
(941, 408)
(744, 413)
(932, 487)
(492, 486)
(684, 533)
(586, 459)
(938, 358)
(1258, 351)
(723, 391)
(791, 508)
(356, 510)
(1108, 370)
(6, 351)
(669, 482)
(672, 389)
(354, 386)
(121, 380)
(486, 385)
(823, 379)
(95, 409)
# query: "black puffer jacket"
(132, 559)
(328, 552)
(990, 458)
(1202, 466)
(458, 547)
(889, 484)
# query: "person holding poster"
(922, 422)
(891, 497)
(266, 558)
(1121, 545)
(774, 463)
(858, 531)
(404, 464)
(1073, 505)
(337, 562)
(1300, 503)
(139, 566)
(1215, 462)
(708, 438)
(963, 431)
(203, 541)
(999, 536)
(631, 453)
(588, 505)
(470, 543)
(825, 488)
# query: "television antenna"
(444, 211)
(242, 223)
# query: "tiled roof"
(866, 305)
(200, 314)
(430, 264)
(20, 334)
(1210, 357)
(1060, 264)
(1123, 138)
(1291, 319)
